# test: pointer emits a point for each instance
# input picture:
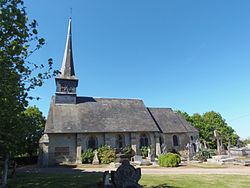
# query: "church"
(76, 123)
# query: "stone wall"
(183, 139)
(67, 148)
(62, 148)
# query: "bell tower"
(66, 81)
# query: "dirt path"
(179, 170)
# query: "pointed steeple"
(67, 69)
(66, 81)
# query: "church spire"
(67, 69)
(66, 81)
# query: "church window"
(175, 140)
(144, 140)
(120, 141)
(92, 142)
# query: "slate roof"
(99, 115)
(169, 121)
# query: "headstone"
(164, 148)
(95, 159)
(198, 145)
(217, 137)
(126, 176)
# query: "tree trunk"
(5, 171)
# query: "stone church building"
(76, 123)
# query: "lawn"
(81, 180)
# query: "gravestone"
(164, 148)
(198, 145)
(137, 159)
(218, 140)
(126, 176)
(95, 159)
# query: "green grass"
(81, 180)
(195, 181)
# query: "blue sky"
(187, 55)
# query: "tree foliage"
(35, 124)
(18, 41)
(207, 123)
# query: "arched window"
(92, 142)
(120, 141)
(175, 141)
(144, 140)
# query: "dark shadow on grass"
(55, 177)
(164, 185)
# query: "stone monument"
(218, 141)
(95, 159)
(126, 176)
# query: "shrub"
(169, 160)
(127, 150)
(204, 154)
(106, 154)
(144, 151)
(87, 156)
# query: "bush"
(204, 154)
(87, 156)
(169, 160)
(106, 154)
(127, 150)
(144, 151)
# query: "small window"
(175, 141)
(192, 138)
(144, 140)
(92, 142)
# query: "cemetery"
(118, 142)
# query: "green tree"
(18, 41)
(34, 123)
(246, 141)
(207, 123)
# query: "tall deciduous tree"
(34, 123)
(18, 40)
(207, 123)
